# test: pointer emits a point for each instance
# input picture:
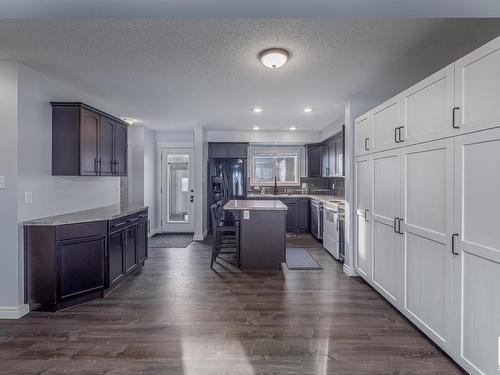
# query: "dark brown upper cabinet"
(87, 142)
(326, 159)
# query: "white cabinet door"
(427, 108)
(387, 243)
(362, 193)
(427, 193)
(387, 122)
(477, 88)
(477, 265)
(362, 134)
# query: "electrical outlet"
(333, 186)
(2, 182)
(28, 197)
(246, 215)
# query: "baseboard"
(200, 237)
(14, 312)
(349, 271)
(152, 232)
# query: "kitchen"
(249, 195)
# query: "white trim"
(349, 271)
(14, 312)
(152, 232)
(200, 237)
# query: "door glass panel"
(178, 188)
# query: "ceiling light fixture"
(256, 128)
(257, 110)
(293, 128)
(307, 110)
(274, 58)
(129, 120)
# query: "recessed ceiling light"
(129, 120)
(256, 128)
(293, 128)
(274, 58)
(257, 110)
(307, 110)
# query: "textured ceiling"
(248, 8)
(177, 74)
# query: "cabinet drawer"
(70, 231)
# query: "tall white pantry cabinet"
(427, 199)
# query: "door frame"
(159, 198)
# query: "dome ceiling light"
(274, 58)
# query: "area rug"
(178, 240)
(298, 258)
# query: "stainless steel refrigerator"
(227, 179)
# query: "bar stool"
(225, 235)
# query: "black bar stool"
(225, 235)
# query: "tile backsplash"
(315, 185)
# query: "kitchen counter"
(255, 205)
(321, 198)
(95, 214)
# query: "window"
(270, 162)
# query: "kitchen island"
(262, 233)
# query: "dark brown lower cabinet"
(116, 258)
(66, 265)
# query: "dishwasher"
(331, 230)
(317, 219)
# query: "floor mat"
(178, 240)
(298, 258)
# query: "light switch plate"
(2, 182)
(246, 215)
(28, 197)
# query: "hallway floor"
(178, 317)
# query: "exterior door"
(363, 198)
(387, 119)
(362, 134)
(477, 89)
(89, 143)
(428, 108)
(477, 263)
(387, 242)
(177, 190)
(427, 192)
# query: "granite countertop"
(255, 205)
(95, 214)
(321, 198)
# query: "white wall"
(51, 194)
(150, 176)
(285, 137)
(10, 268)
(332, 129)
(174, 136)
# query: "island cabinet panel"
(87, 142)
(68, 264)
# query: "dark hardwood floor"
(179, 317)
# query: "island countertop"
(255, 205)
(95, 214)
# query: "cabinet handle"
(399, 226)
(453, 118)
(119, 224)
(95, 166)
(401, 139)
(396, 139)
(133, 219)
(366, 211)
(99, 164)
(395, 224)
(112, 167)
(366, 144)
(453, 250)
